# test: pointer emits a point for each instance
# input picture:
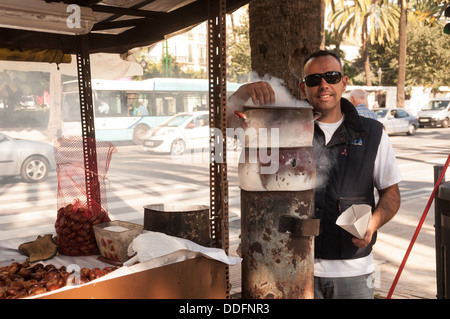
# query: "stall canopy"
(111, 26)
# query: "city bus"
(125, 110)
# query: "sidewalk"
(418, 278)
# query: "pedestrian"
(142, 110)
(353, 155)
(358, 97)
(103, 108)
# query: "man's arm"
(261, 93)
(387, 207)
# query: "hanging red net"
(82, 200)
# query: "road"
(137, 178)
(416, 156)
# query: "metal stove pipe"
(277, 231)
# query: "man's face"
(324, 97)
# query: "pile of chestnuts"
(74, 233)
(20, 280)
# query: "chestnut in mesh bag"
(81, 201)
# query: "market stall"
(50, 31)
(161, 266)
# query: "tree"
(402, 54)
(282, 34)
(238, 48)
(375, 21)
(428, 55)
(428, 12)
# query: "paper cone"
(355, 219)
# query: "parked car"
(435, 113)
(396, 120)
(27, 102)
(32, 160)
(183, 131)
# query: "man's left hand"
(363, 242)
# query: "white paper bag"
(355, 219)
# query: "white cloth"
(153, 245)
(344, 267)
(386, 173)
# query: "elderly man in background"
(358, 97)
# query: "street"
(137, 178)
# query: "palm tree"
(428, 11)
(401, 77)
(373, 20)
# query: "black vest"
(344, 169)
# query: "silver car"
(31, 160)
(397, 120)
(435, 113)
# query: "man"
(103, 108)
(352, 155)
(142, 110)
(358, 97)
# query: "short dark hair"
(322, 53)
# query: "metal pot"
(293, 125)
(278, 149)
(284, 169)
(180, 220)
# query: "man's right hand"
(260, 92)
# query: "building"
(189, 48)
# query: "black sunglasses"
(331, 77)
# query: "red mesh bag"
(82, 201)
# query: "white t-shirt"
(386, 173)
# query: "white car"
(32, 160)
(181, 132)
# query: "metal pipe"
(278, 244)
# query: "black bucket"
(186, 221)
